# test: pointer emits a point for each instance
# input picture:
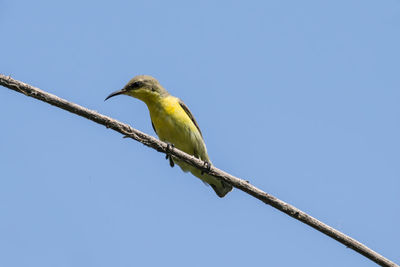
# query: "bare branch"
(162, 147)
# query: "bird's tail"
(222, 189)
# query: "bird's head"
(143, 87)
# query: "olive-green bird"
(173, 123)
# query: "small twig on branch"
(160, 146)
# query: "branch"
(160, 146)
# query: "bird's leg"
(207, 166)
(168, 156)
(168, 149)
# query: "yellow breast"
(173, 125)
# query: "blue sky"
(299, 97)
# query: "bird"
(174, 124)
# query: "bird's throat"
(148, 97)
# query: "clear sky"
(299, 97)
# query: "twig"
(160, 146)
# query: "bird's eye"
(136, 85)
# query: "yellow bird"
(173, 123)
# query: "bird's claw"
(207, 166)
(171, 162)
(168, 156)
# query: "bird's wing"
(154, 128)
(186, 109)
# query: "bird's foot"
(168, 150)
(207, 166)
(168, 156)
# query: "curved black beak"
(119, 92)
